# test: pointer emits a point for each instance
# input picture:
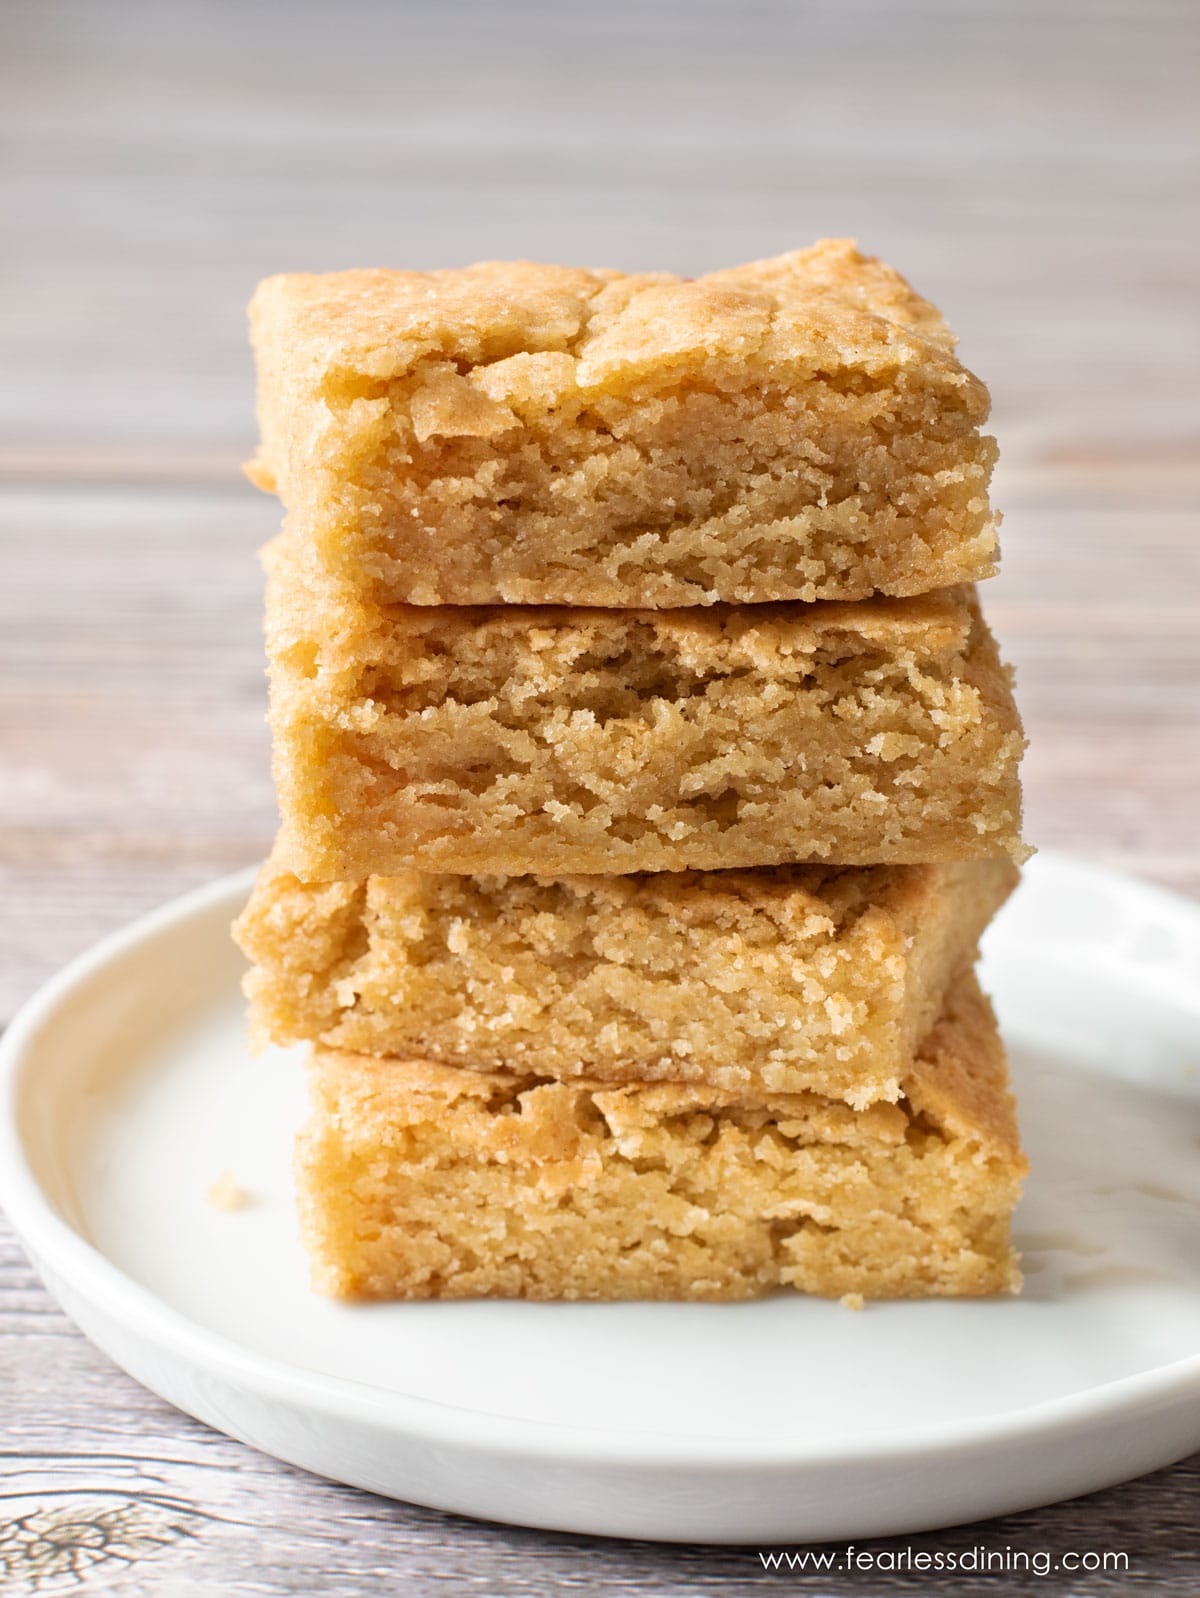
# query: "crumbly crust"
(554, 741)
(791, 979)
(796, 428)
(428, 1181)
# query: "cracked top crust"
(957, 1088)
(544, 330)
(792, 429)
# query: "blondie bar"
(784, 980)
(522, 739)
(797, 428)
(419, 1180)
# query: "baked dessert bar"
(796, 428)
(522, 739)
(784, 980)
(419, 1180)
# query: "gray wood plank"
(1027, 164)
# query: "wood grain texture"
(1027, 163)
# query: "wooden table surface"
(1033, 167)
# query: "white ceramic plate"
(127, 1091)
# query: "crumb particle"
(227, 1193)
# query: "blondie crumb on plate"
(523, 739)
(796, 428)
(779, 980)
(419, 1180)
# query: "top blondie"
(509, 433)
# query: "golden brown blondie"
(784, 980)
(796, 428)
(521, 739)
(428, 1181)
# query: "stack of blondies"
(647, 776)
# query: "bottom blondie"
(421, 1180)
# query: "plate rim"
(58, 1248)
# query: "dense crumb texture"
(554, 741)
(789, 980)
(427, 1181)
(797, 428)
